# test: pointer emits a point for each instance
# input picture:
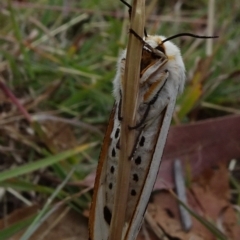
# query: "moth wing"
(139, 211)
(152, 70)
(99, 229)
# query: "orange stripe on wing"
(152, 91)
(102, 159)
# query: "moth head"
(175, 63)
(158, 44)
(172, 53)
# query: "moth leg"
(130, 13)
(119, 114)
(145, 32)
(150, 97)
(142, 121)
(135, 146)
(122, 69)
(139, 38)
(129, 7)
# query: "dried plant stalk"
(129, 106)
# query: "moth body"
(162, 72)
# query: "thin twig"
(129, 107)
(210, 26)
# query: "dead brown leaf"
(60, 135)
(202, 145)
(206, 200)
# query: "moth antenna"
(127, 4)
(129, 7)
(154, 51)
(130, 12)
(140, 39)
(120, 118)
(187, 34)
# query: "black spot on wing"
(110, 185)
(135, 177)
(112, 169)
(142, 141)
(133, 192)
(138, 160)
(118, 144)
(113, 152)
(117, 133)
(107, 215)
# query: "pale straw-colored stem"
(129, 106)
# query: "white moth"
(162, 77)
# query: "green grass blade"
(38, 220)
(43, 162)
(14, 228)
(22, 185)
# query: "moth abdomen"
(162, 72)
